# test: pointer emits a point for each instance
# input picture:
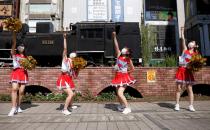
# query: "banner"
(97, 10)
(161, 15)
(5, 10)
(118, 10)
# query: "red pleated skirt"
(122, 79)
(19, 75)
(184, 75)
(65, 81)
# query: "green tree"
(148, 40)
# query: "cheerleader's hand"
(114, 34)
(64, 35)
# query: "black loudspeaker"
(44, 27)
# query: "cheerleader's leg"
(20, 96)
(118, 96)
(15, 87)
(70, 94)
(14, 94)
(190, 93)
(178, 93)
(120, 93)
(71, 102)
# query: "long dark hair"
(21, 45)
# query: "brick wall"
(98, 78)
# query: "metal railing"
(5, 61)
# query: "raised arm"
(183, 44)
(64, 46)
(13, 43)
(116, 45)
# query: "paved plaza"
(103, 116)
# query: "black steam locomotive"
(91, 40)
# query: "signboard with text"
(118, 10)
(97, 10)
(5, 10)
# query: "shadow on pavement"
(111, 106)
(166, 105)
(25, 106)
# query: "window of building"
(203, 6)
(40, 8)
(209, 32)
(161, 10)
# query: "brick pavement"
(103, 116)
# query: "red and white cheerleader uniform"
(122, 77)
(183, 74)
(65, 79)
(19, 74)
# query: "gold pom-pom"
(12, 24)
(79, 63)
(196, 63)
(28, 63)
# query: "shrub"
(5, 97)
(87, 96)
(109, 96)
(169, 61)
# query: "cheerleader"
(19, 78)
(64, 81)
(124, 66)
(184, 77)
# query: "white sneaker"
(19, 110)
(12, 112)
(126, 110)
(66, 112)
(74, 107)
(191, 108)
(177, 107)
(120, 108)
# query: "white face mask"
(72, 55)
(20, 48)
(124, 51)
(191, 44)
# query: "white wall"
(74, 11)
(23, 10)
(132, 10)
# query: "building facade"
(34, 11)
(197, 23)
(102, 10)
(9, 8)
(165, 16)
